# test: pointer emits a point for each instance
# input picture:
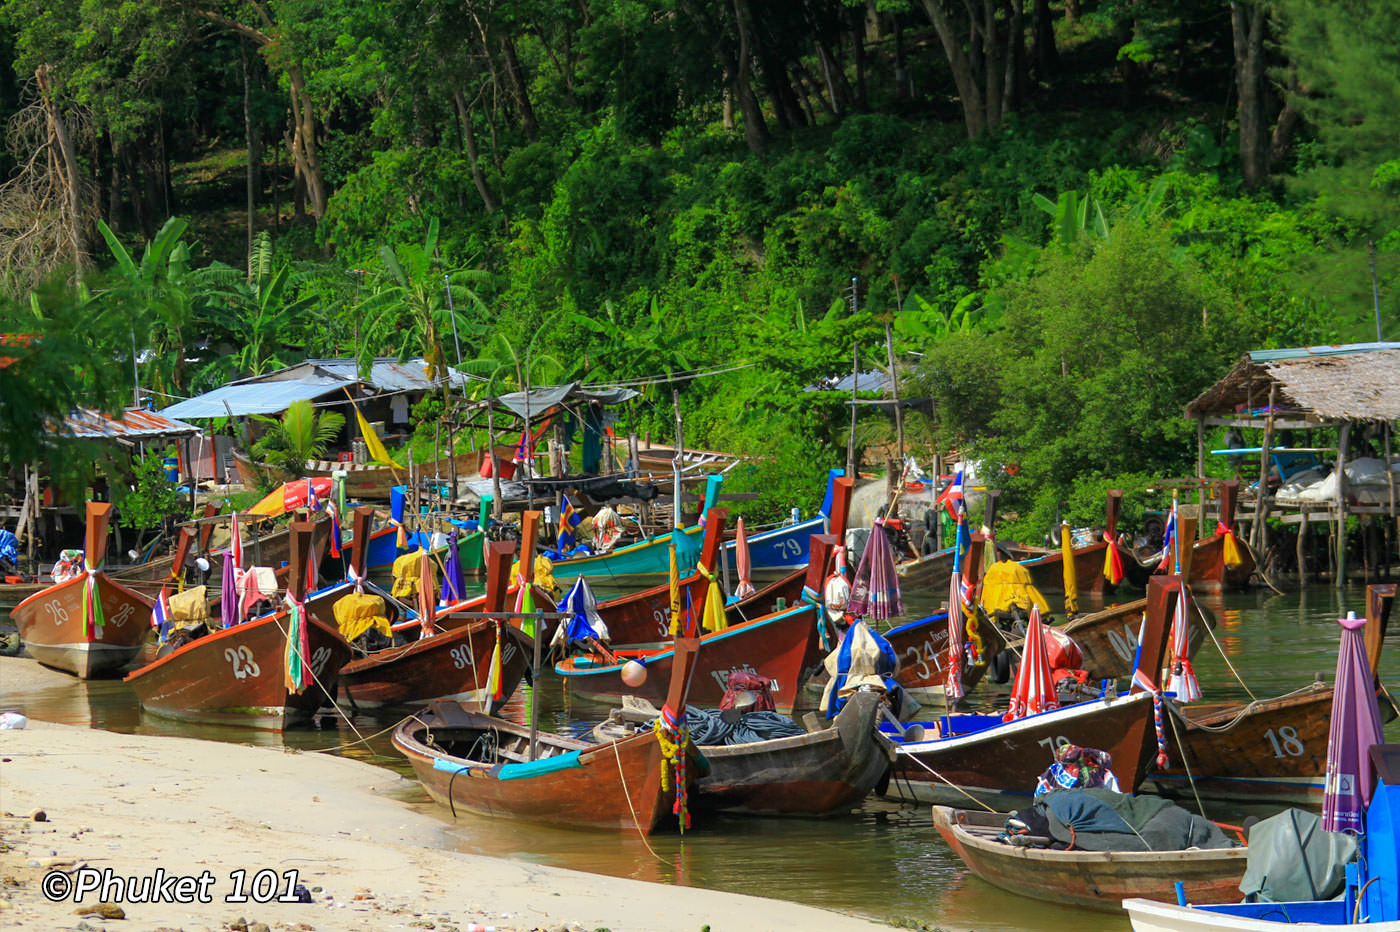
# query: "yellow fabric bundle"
(189, 607)
(407, 569)
(544, 575)
(1008, 584)
(356, 613)
(1233, 557)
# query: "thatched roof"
(1358, 382)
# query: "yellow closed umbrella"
(1008, 585)
(1071, 577)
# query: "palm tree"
(299, 435)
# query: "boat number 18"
(241, 659)
(1285, 741)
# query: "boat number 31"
(1285, 742)
(241, 659)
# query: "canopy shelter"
(240, 399)
(1307, 388)
(538, 402)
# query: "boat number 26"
(241, 658)
(1285, 741)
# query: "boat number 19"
(1285, 741)
(241, 659)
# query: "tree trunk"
(304, 152)
(994, 69)
(250, 137)
(1045, 56)
(520, 89)
(1247, 26)
(970, 95)
(755, 129)
(488, 200)
(72, 171)
(858, 54)
(1014, 84)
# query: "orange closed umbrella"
(743, 563)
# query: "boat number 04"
(241, 659)
(1285, 742)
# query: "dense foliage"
(1064, 222)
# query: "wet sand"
(139, 804)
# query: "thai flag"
(952, 497)
(965, 588)
(313, 503)
(568, 520)
(1142, 681)
(1168, 536)
(160, 615)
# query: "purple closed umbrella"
(228, 594)
(1356, 725)
(453, 585)
(875, 593)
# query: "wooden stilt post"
(1391, 525)
(851, 440)
(1302, 548)
(1261, 507)
(497, 507)
(1341, 504)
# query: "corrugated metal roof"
(387, 374)
(243, 398)
(134, 424)
(875, 380)
(1304, 352)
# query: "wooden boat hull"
(784, 548)
(1273, 751)
(238, 676)
(784, 647)
(384, 550)
(931, 571)
(646, 561)
(922, 649)
(1108, 639)
(50, 623)
(616, 785)
(1209, 572)
(453, 665)
(1096, 879)
(999, 765)
(642, 619)
(819, 773)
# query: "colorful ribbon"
(93, 619)
(1163, 762)
(811, 598)
(673, 735)
(299, 674)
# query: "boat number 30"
(241, 659)
(1285, 742)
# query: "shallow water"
(884, 861)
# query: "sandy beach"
(128, 806)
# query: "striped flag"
(160, 614)
(952, 497)
(568, 520)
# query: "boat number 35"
(1285, 742)
(241, 659)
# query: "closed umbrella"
(743, 563)
(583, 621)
(228, 595)
(1071, 578)
(1008, 585)
(1034, 691)
(952, 682)
(1356, 725)
(454, 586)
(1183, 677)
(427, 605)
(875, 593)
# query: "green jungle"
(1070, 216)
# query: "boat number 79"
(1285, 742)
(241, 659)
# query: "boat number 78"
(1054, 744)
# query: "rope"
(324, 691)
(1181, 746)
(949, 782)
(622, 778)
(1244, 712)
(1211, 632)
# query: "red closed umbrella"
(743, 563)
(1034, 691)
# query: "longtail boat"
(490, 766)
(363, 481)
(785, 647)
(822, 772)
(1273, 749)
(642, 619)
(90, 624)
(1096, 879)
(453, 663)
(998, 762)
(1108, 638)
(257, 674)
(784, 548)
(1210, 570)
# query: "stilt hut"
(1346, 399)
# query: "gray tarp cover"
(1103, 820)
(541, 399)
(1291, 858)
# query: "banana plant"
(1075, 217)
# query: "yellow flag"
(372, 441)
(1071, 575)
(675, 578)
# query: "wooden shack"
(1331, 394)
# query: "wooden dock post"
(1341, 503)
(1261, 508)
(1302, 548)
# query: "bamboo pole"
(894, 390)
(1261, 507)
(851, 442)
(677, 497)
(1341, 503)
(497, 507)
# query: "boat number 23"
(241, 659)
(1285, 742)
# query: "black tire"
(999, 670)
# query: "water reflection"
(884, 861)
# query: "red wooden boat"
(784, 646)
(451, 664)
(997, 761)
(488, 766)
(641, 620)
(1271, 750)
(238, 675)
(1047, 567)
(51, 622)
